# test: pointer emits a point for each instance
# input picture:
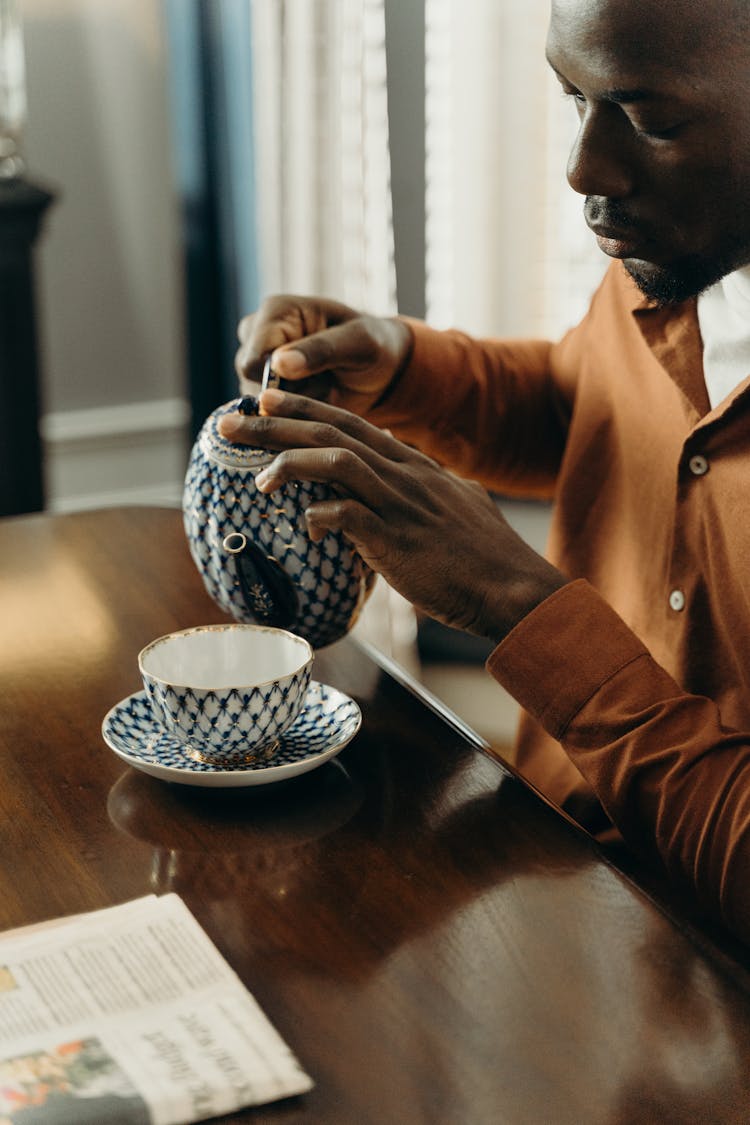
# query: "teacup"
(227, 692)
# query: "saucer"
(327, 722)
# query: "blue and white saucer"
(327, 722)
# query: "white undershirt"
(724, 318)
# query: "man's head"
(662, 89)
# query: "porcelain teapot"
(253, 549)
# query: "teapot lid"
(217, 448)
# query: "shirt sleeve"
(495, 411)
(672, 778)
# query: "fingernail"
(262, 479)
(314, 530)
(271, 397)
(230, 426)
(288, 361)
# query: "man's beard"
(672, 286)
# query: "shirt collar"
(736, 287)
(673, 335)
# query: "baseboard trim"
(133, 453)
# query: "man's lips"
(617, 242)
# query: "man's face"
(662, 90)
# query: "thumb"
(342, 347)
(290, 363)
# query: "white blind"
(508, 252)
(321, 122)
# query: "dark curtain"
(212, 130)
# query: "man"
(630, 649)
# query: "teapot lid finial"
(216, 447)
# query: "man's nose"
(601, 162)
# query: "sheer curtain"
(507, 249)
(323, 196)
(321, 142)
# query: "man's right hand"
(331, 351)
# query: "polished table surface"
(435, 944)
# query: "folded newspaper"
(131, 1015)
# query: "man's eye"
(657, 134)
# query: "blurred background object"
(22, 205)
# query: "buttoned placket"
(680, 353)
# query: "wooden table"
(434, 943)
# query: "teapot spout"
(268, 592)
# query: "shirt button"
(677, 600)
(698, 465)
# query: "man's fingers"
(245, 328)
(291, 421)
(283, 320)
(259, 335)
(330, 421)
(345, 347)
(363, 528)
(341, 468)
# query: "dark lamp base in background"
(22, 205)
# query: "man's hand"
(339, 354)
(439, 540)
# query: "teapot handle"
(268, 592)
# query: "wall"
(108, 261)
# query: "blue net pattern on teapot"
(331, 580)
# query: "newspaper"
(131, 1015)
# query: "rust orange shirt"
(635, 676)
